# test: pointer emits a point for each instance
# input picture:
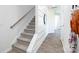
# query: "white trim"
(36, 41)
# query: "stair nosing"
(27, 33)
(30, 29)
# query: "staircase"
(25, 38)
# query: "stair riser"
(24, 39)
(32, 23)
(23, 42)
(31, 27)
(29, 31)
(27, 36)
(18, 50)
(33, 20)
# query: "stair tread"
(30, 28)
(32, 23)
(33, 20)
(21, 46)
(24, 39)
(27, 36)
(28, 33)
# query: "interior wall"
(64, 24)
(41, 29)
(51, 20)
(65, 17)
(40, 11)
(9, 14)
(63, 27)
(53, 16)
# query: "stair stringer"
(36, 41)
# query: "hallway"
(52, 44)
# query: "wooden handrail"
(21, 18)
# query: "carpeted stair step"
(32, 23)
(27, 35)
(31, 26)
(29, 31)
(33, 20)
(33, 29)
(21, 48)
(24, 39)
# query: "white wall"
(65, 30)
(41, 29)
(9, 14)
(51, 20)
(40, 11)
